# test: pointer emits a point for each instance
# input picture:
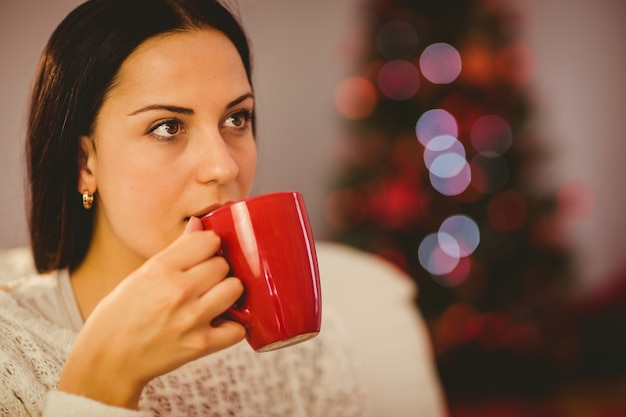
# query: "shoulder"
(16, 269)
(25, 334)
(30, 361)
(15, 262)
(29, 285)
(28, 288)
(23, 328)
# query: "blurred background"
(475, 144)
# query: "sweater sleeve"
(61, 404)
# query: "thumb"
(193, 225)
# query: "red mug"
(268, 244)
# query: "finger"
(205, 275)
(190, 249)
(193, 225)
(220, 298)
(227, 333)
(219, 336)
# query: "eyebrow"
(173, 109)
(185, 110)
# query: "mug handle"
(241, 316)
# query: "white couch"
(375, 302)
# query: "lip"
(209, 209)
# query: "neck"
(105, 266)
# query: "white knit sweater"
(314, 378)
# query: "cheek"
(120, 178)
(136, 198)
(136, 171)
(145, 192)
(247, 167)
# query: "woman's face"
(173, 139)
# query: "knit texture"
(314, 378)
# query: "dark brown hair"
(77, 68)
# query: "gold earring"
(87, 200)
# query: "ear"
(86, 165)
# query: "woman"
(142, 121)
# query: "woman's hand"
(160, 317)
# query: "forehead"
(186, 61)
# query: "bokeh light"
(460, 323)
(397, 39)
(440, 63)
(355, 98)
(491, 136)
(447, 165)
(444, 154)
(445, 254)
(434, 258)
(458, 174)
(464, 230)
(394, 203)
(443, 144)
(399, 79)
(435, 122)
(455, 277)
(455, 206)
(478, 64)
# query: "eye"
(240, 120)
(166, 130)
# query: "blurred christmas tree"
(438, 175)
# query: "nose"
(214, 160)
